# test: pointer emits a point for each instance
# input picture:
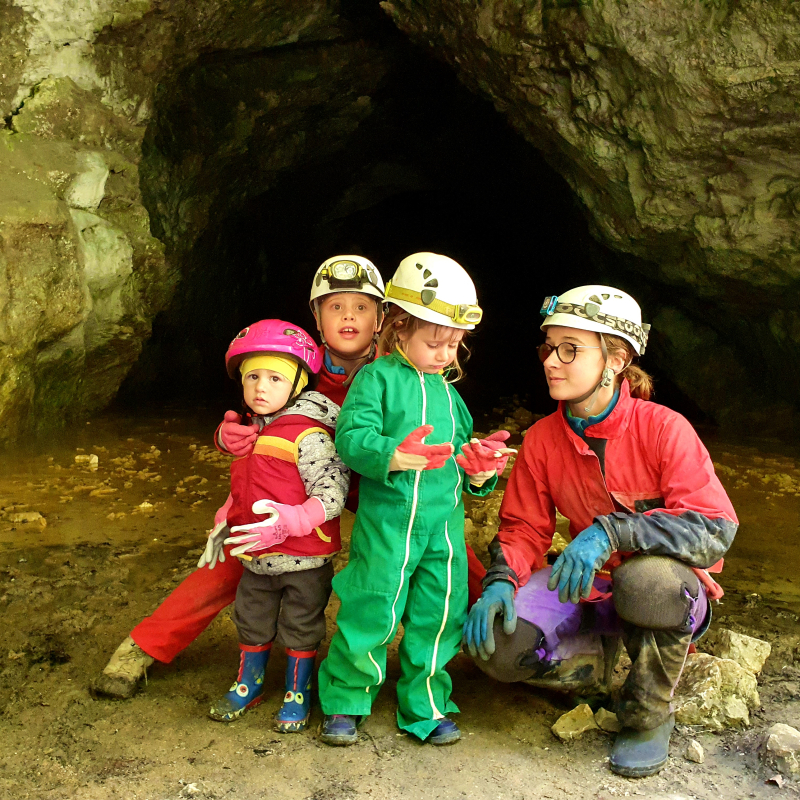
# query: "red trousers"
(194, 603)
(189, 609)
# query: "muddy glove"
(478, 629)
(214, 546)
(284, 521)
(411, 453)
(237, 439)
(575, 568)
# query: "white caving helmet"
(437, 289)
(598, 308)
(346, 274)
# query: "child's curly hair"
(397, 320)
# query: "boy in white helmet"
(347, 303)
(648, 519)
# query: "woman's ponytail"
(640, 382)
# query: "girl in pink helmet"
(283, 519)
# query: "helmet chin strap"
(606, 379)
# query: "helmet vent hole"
(595, 299)
(434, 284)
(290, 332)
(427, 296)
(606, 296)
(420, 266)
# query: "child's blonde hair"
(398, 320)
(640, 382)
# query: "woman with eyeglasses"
(648, 518)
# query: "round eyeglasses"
(566, 351)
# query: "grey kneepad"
(655, 592)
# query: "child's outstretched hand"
(497, 441)
(284, 521)
(412, 454)
(481, 459)
(236, 438)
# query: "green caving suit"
(408, 560)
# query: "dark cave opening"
(431, 168)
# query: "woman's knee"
(655, 592)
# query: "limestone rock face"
(716, 693)
(574, 723)
(746, 651)
(781, 749)
(676, 125)
(81, 274)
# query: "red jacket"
(332, 386)
(657, 494)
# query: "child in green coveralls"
(408, 559)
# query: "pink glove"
(237, 439)
(485, 455)
(436, 454)
(285, 521)
(496, 441)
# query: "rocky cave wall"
(675, 123)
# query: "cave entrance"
(429, 167)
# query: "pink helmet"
(274, 336)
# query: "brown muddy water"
(88, 546)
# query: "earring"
(607, 378)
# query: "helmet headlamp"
(345, 275)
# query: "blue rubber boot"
(248, 686)
(637, 754)
(296, 708)
(340, 729)
(446, 732)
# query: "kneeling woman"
(648, 520)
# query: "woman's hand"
(574, 570)
(478, 629)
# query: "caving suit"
(194, 603)
(407, 553)
(642, 473)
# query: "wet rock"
(575, 723)
(23, 517)
(716, 693)
(781, 749)
(607, 721)
(746, 651)
(92, 461)
(694, 752)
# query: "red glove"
(285, 521)
(496, 441)
(411, 453)
(485, 455)
(237, 439)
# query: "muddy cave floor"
(89, 547)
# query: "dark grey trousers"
(292, 604)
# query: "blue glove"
(574, 569)
(478, 633)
